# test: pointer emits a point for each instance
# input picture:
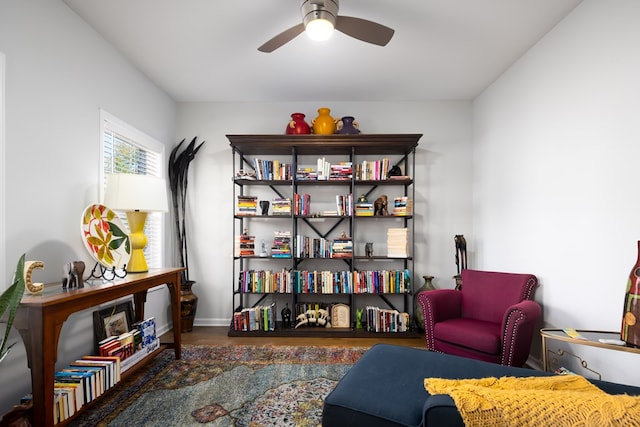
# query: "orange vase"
(324, 124)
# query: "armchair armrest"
(438, 305)
(518, 326)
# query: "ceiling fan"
(320, 17)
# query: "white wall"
(59, 73)
(443, 194)
(556, 140)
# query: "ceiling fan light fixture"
(319, 29)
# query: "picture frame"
(113, 321)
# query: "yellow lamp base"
(137, 263)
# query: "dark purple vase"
(348, 126)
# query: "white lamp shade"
(319, 29)
(129, 192)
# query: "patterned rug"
(243, 386)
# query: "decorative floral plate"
(105, 236)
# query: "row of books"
(272, 170)
(301, 204)
(265, 281)
(382, 281)
(344, 204)
(372, 170)
(259, 318)
(81, 382)
(325, 282)
(319, 247)
(386, 320)
(247, 206)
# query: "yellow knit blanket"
(564, 400)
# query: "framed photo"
(113, 321)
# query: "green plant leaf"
(10, 300)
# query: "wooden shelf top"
(323, 144)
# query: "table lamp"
(137, 195)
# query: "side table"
(591, 340)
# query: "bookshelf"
(40, 318)
(323, 192)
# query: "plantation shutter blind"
(126, 150)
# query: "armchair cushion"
(485, 336)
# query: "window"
(127, 150)
(2, 172)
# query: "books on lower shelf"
(386, 320)
(397, 242)
(87, 378)
(259, 318)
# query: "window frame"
(109, 122)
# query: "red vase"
(631, 311)
(297, 125)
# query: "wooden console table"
(40, 318)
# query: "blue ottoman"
(385, 388)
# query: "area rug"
(243, 386)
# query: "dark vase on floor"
(631, 312)
(188, 305)
(418, 314)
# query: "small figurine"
(264, 205)
(359, 313)
(263, 249)
(380, 206)
(286, 316)
(363, 198)
(368, 249)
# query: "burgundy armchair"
(492, 318)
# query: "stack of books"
(341, 171)
(364, 209)
(281, 206)
(342, 248)
(304, 173)
(397, 242)
(281, 245)
(247, 205)
(245, 245)
(402, 206)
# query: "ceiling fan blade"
(362, 29)
(284, 37)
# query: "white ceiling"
(206, 50)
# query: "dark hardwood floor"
(217, 335)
